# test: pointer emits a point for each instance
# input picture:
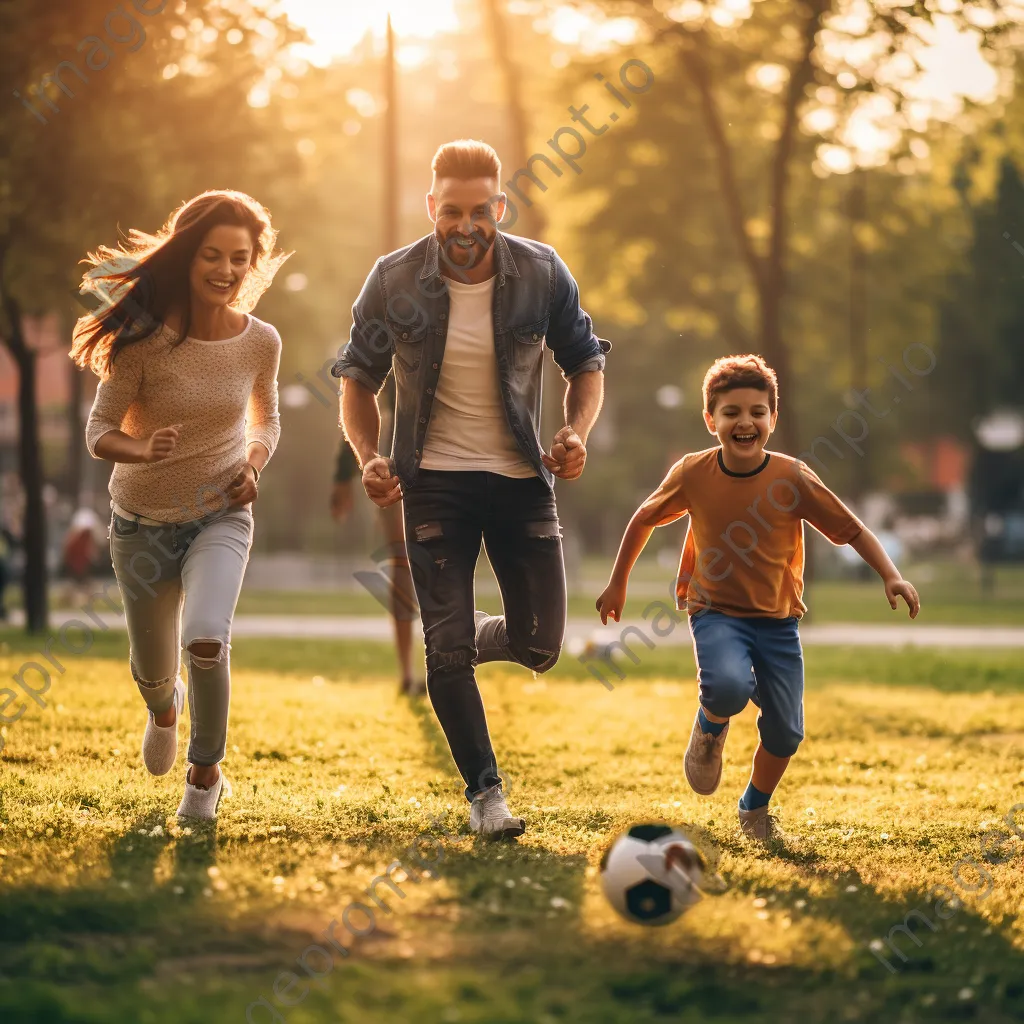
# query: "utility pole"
(392, 200)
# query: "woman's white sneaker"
(489, 816)
(201, 802)
(160, 742)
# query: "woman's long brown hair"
(142, 279)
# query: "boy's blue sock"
(706, 725)
(753, 798)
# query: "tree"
(806, 77)
(87, 87)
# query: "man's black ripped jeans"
(446, 516)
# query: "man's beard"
(475, 253)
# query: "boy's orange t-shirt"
(744, 548)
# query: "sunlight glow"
(336, 29)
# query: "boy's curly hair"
(749, 371)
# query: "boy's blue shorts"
(758, 659)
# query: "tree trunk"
(776, 354)
(858, 311)
(531, 218)
(30, 468)
(76, 434)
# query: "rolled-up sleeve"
(114, 396)
(367, 355)
(570, 334)
(263, 420)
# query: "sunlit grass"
(112, 912)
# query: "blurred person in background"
(187, 409)
(399, 595)
(80, 551)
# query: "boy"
(741, 577)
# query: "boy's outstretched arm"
(612, 599)
(665, 505)
(868, 546)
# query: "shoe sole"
(512, 829)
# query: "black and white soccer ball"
(653, 874)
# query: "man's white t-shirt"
(468, 429)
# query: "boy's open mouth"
(745, 440)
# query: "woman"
(187, 410)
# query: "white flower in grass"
(885, 835)
(851, 888)
(876, 944)
(800, 904)
(510, 883)
(559, 903)
(178, 890)
(158, 830)
(965, 994)
(760, 901)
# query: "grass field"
(112, 913)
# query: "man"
(461, 316)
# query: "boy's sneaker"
(702, 764)
(760, 825)
(160, 743)
(201, 802)
(489, 816)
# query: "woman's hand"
(612, 601)
(160, 444)
(243, 488)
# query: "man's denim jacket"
(400, 321)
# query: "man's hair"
(466, 159)
(749, 371)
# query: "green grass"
(910, 755)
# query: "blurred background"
(835, 184)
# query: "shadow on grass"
(519, 953)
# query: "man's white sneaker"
(489, 815)
(702, 764)
(201, 802)
(759, 825)
(160, 742)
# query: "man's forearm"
(583, 398)
(360, 419)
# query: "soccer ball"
(653, 874)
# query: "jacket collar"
(506, 265)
